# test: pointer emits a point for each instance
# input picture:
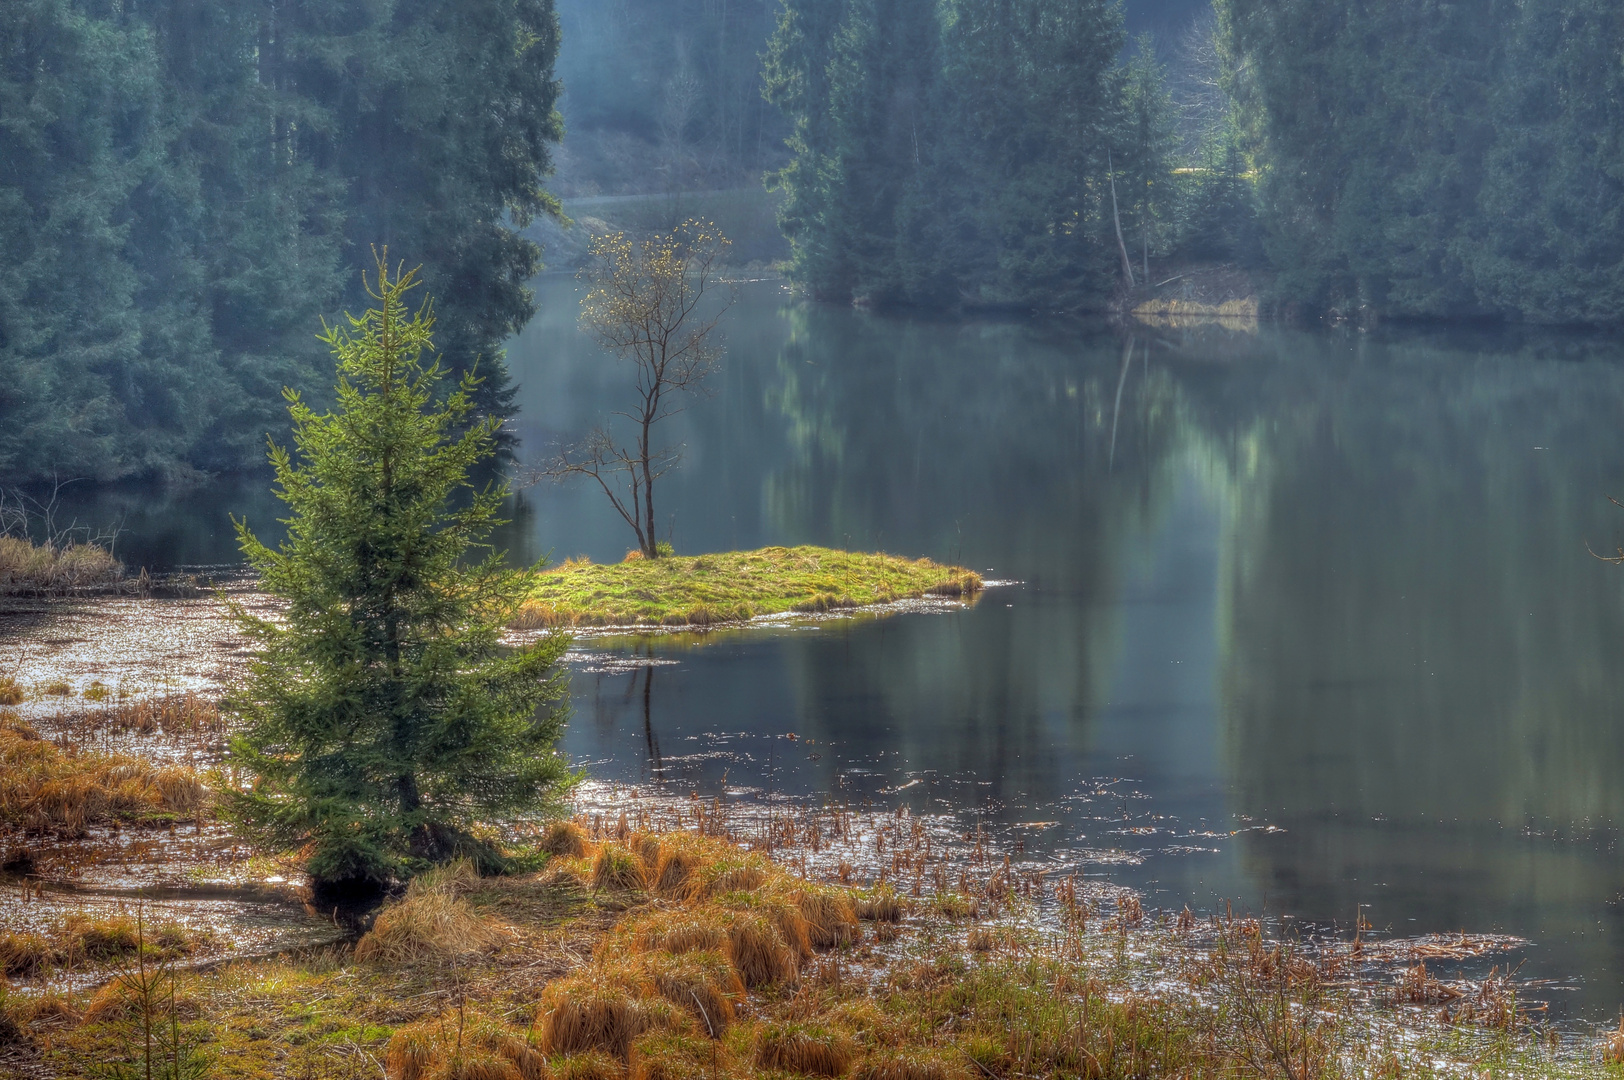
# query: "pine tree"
(386, 727)
(1144, 164)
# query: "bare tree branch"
(652, 302)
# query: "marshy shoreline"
(684, 937)
(930, 952)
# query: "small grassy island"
(704, 590)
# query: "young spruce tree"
(384, 721)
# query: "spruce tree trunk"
(1116, 219)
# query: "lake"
(1298, 621)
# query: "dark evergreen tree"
(77, 96)
(385, 723)
(1144, 160)
(183, 181)
(1548, 239)
(1437, 159)
(946, 153)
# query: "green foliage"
(857, 82)
(956, 152)
(1030, 98)
(1144, 160)
(185, 181)
(384, 721)
(1437, 159)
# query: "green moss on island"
(705, 590)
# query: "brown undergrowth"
(643, 955)
(46, 787)
(27, 568)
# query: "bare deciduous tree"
(652, 302)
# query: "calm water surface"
(1302, 621)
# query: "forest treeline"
(990, 152)
(665, 95)
(1437, 159)
(187, 186)
(1446, 160)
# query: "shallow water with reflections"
(1298, 621)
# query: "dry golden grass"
(11, 691)
(26, 567)
(805, 1048)
(757, 949)
(831, 918)
(433, 920)
(680, 857)
(911, 1065)
(617, 868)
(751, 941)
(595, 1065)
(665, 1055)
(43, 786)
(727, 873)
(1612, 1044)
(703, 983)
(176, 714)
(666, 978)
(462, 1046)
(881, 905)
(597, 1009)
(566, 839)
(83, 941)
(26, 955)
(772, 904)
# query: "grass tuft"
(27, 568)
(461, 1046)
(432, 922)
(702, 983)
(881, 904)
(665, 1055)
(805, 1048)
(565, 839)
(594, 1065)
(831, 919)
(617, 869)
(44, 787)
(596, 1009)
(733, 587)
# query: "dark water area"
(1304, 621)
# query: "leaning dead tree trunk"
(1116, 219)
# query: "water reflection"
(1312, 611)
(1302, 620)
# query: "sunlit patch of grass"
(43, 786)
(11, 691)
(26, 567)
(733, 586)
(81, 941)
(434, 921)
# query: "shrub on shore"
(706, 590)
(44, 787)
(29, 568)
